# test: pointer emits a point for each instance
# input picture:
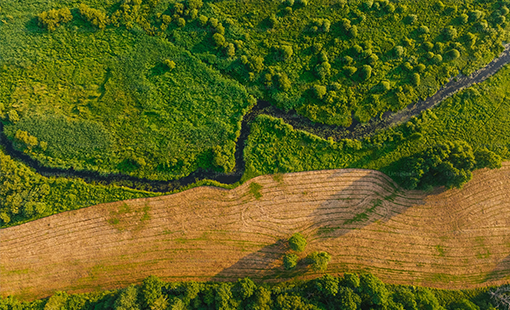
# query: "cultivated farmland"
(451, 239)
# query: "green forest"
(348, 292)
(158, 89)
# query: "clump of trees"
(297, 242)
(446, 164)
(319, 260)
(96, 17)
(53, 18)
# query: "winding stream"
(355, 131)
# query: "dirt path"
(450, 239)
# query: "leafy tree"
(453, 54)
(256, 64)
(350, 70)
(54, 18)
(347, 299)
(323, 70)
(219, 39)
(230, 51)
(297, 242)
(351, 280)
(181, 22)
(96, 17)
(405, 297)
(203, 20)
(284, 83)
(127, 299)
(57, 302)
(399, 51)
(463, 19)
(319, 260)
(245, 288)
(464, 305)
(169, 63)
(326, 286)
(437, 59)
(425, 300)
(374, 292)
(366, 72)
(411, 19)
(487, 159)
(262, 300)
(424, 29)
(150, 291)
(286, 52)
(223, 297)
(290, 261)
(475, 15)
(415, 79)
(450, 33)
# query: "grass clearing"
(437, 239)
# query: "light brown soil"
(446, 239)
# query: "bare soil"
(445, 239)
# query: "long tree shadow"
(341, 212)
(500, 272)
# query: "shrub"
(463, 19)
(384, 86)
(256, 64)
(366, 72)
(169, 63)
(219, 39)
(290, 261)
(424, 29)
(475, 15)
(323, 70)
(297, 242)
(450, 33)
(415, 79)
(428, 46)
(349, 70)
(420, 68)
(399, 51)
(411, 19)
(286, 51)
(96, 17)
(372, 60)
(319, 260)
(53, 18)
(284, 83)
(181, 22)
(230, 51)
(203, 20)
(487, 159)
(453, 54)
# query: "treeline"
(347, 292)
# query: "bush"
(463, 19)
(415, 79)
(411, 19)
(366, 72)
(319, 260)
(219, 39)
(437, 59)
(96, 17)
(487, 159)
(447, 164)
(424, 29)
(290, 261)
(399, 51)
(450, 33)
(349, 70)
(453, 54)
(297, 242)
(475, 15)
(51, 19)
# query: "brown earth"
(445, 239)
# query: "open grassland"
(447, 239)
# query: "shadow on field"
(367, 199)
(501, 271)
(265, 264)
